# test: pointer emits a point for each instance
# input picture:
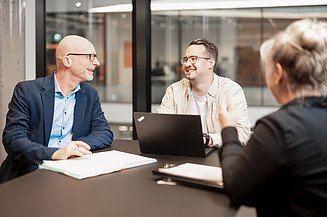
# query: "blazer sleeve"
(17, 133)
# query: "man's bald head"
(73, 44)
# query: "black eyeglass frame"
(92, 56)
(185, 59)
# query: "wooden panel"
(128, 54)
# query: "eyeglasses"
(92, 56)
(192, 59)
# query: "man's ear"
(67, 61)
(211, 63)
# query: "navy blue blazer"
(29, 121)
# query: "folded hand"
(72, 149)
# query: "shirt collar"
(212, 90)
(58, 90)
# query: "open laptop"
(171, 134)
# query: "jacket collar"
(48, 82)
(213, 88)
(48, 104)
(309, 101)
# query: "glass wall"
(111, 34)
(237, 32)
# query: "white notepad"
(202, 173)
(96, 164)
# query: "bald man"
(58, 116)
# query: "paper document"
(96, 164)
(203, 173)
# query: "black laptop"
(171, 134)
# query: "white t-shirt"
(198, 106)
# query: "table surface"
(132, 192)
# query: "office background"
(140, 50)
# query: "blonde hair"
(302, 50)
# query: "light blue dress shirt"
(63, 117)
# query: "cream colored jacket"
(177, 97)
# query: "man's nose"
(96, 62)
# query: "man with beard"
(202, 91)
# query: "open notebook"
(96, 164)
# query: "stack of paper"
(96, 164)
(202, 173)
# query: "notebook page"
(96, 164)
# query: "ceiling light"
(78, 4)
(203, 5)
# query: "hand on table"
(72, 149)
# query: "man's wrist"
(208, 140)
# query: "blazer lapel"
(79, 112)
(48, 106)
